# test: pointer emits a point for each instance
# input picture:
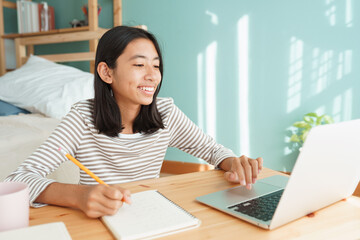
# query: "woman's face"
(137, 74)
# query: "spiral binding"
(177, 205)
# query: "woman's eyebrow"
(142, 56)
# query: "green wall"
(246, 70)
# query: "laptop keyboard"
(262, 208)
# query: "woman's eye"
(138, 65)
(156, 66)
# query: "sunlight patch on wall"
(287, 150)
(349, 14)
(340, 68)
(315, 63)
(344, 64)
(200, 89)
(337, 108)
(330, 12)
(320, 110)
(206, 89)
(322, 67)
(243, 61)
(348, 99)
(324, 72)
(213, 17)
(342, 106)
(295, 74)
(348, 62)
(210, 87)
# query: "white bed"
(20, 136)
(47, 90)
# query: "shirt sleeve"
(186, 136)
(47, 158)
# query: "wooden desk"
(338, 221)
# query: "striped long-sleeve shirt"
(125, 158)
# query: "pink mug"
(14, 205)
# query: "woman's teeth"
(148, 89)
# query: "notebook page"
(150, 215)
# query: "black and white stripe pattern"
(115, 159)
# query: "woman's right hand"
(94, 200)
(99, 200)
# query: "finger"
(125, 193)
(238, 169)
(109, 207)
(111, 199)
(254, 169)
(247, 171)
(112, 193)
(231, 177)
(111, 204)
(127, 196)
(260, 161)
(94, 214)
(100, 206)
(127, 199)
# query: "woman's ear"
(104, 72)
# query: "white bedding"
(20, 135)
(42, 86)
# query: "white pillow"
(42, 86)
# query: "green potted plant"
(301, 128)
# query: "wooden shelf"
(25, 42)
(51, 32)
(61, 37)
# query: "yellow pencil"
(82, 167)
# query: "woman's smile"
(148, 90)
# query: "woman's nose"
(151, 73)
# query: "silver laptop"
(326, 171)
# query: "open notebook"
(150, 215)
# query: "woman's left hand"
(243, 170)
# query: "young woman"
(122, 134)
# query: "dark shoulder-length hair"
(107, 116)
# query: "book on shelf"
(34, 17)
(46, 17)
